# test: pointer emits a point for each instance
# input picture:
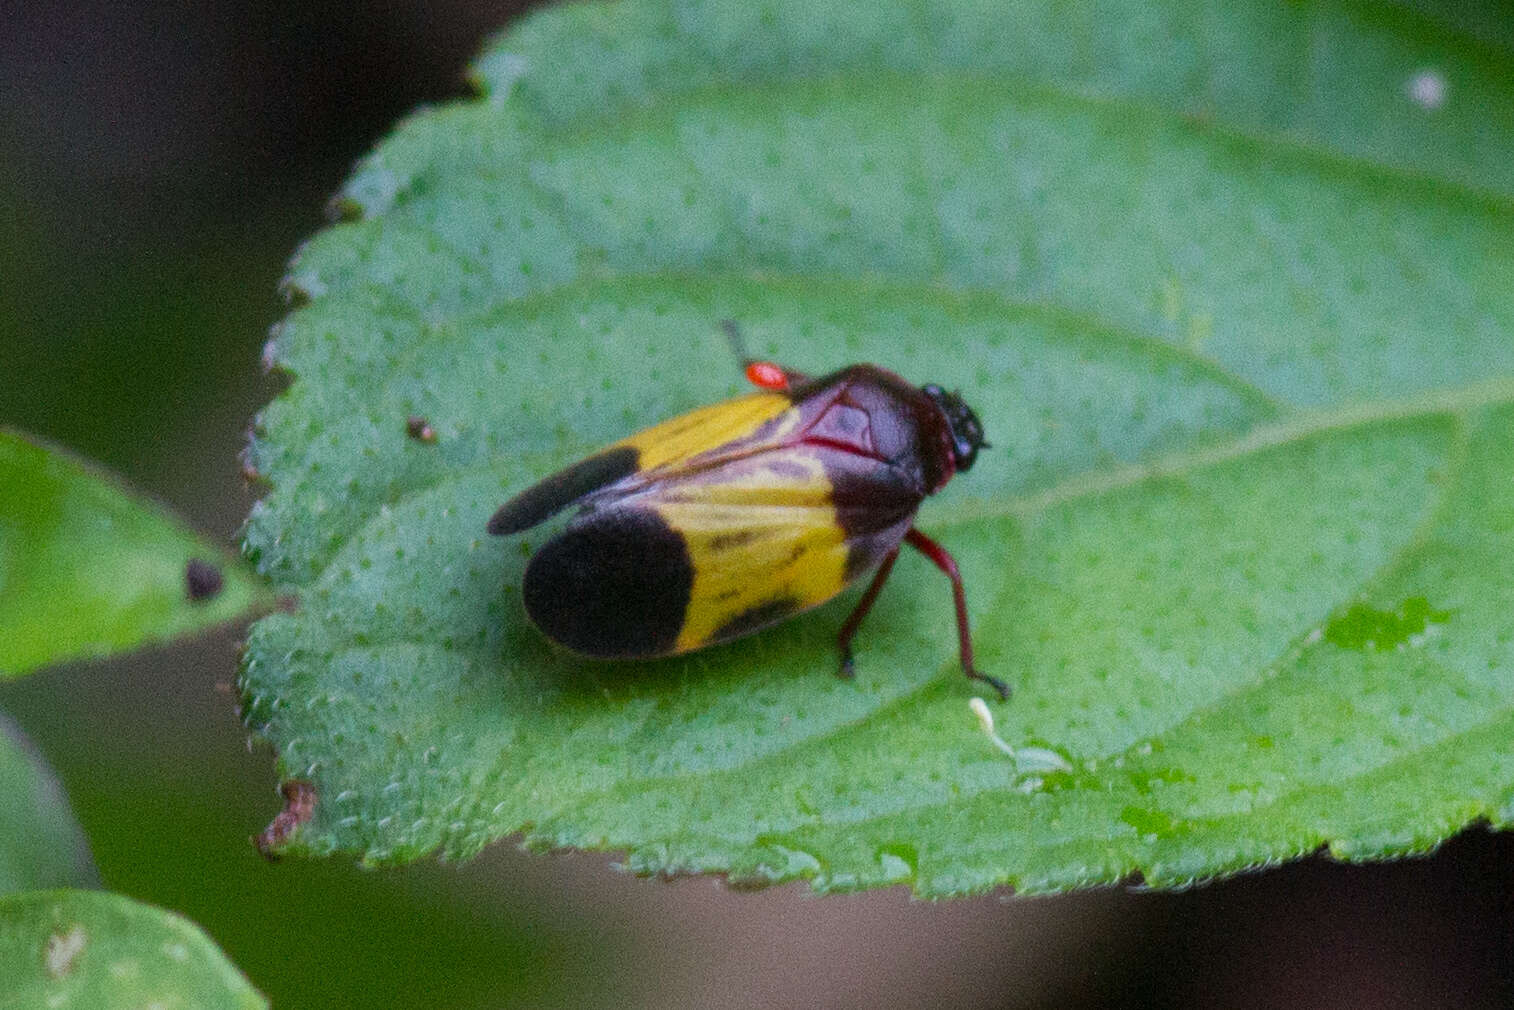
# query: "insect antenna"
(738, 342)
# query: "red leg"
(944, 561)
(762, 374)
(849, 629)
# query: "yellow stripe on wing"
(708, 428)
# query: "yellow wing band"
(707, 428)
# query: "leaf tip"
(496, 73)
(300, 287)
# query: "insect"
(732, 517)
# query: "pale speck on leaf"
(1428, 89)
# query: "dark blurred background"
(158, 164)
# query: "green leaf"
(92, 949)
(1230, 293)
(87, 568)
(41, 845)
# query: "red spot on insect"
(299, 807)
(766, 375)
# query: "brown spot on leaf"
(420, 429)
(202, 580)
(63, 949)
(299, 807)
(250, 473)
(269, 359)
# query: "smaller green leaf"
(87, 568)
(41, 845)
(99, 950)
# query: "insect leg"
(849, 629)
(944, 561)
(762, 374)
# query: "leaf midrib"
(1295, 429)
(1266, 437)
(963, 301)
(1456, 461)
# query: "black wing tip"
(505, 521)
(541, 501)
